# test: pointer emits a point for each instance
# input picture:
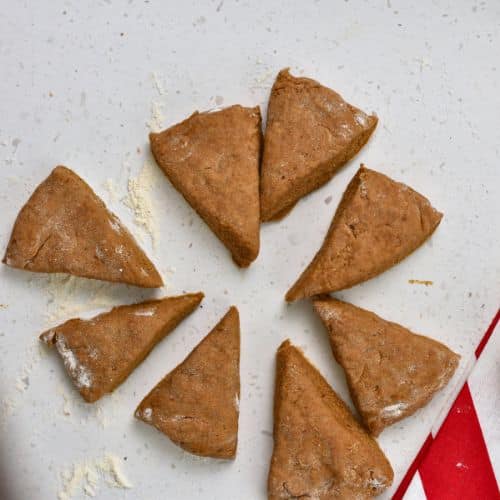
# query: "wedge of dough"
(197, 404)
(391, 372)
(377, 224)
(311, 132)
(320, 451)
(100, 353)
(212, 159)
(66, 228)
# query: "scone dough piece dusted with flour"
(213, 159)
(66, 228)
(100, 353)
(391, 372)
(197, 404)
(377, 224)
(311, 132)
(320, 450)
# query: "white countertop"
(78, 89)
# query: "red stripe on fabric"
(488, 334)
(458, 465)
(403, 486)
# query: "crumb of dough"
(421, 282)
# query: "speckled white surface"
(77, 89)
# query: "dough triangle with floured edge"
(197, 404)
(311, 132)
(66, 228)
(212, 159)
(100, 353)
(391, 372)
(377, 224)
(320, 450)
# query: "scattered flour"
(263, 81)
(73, 405)
(140, 202)
(361, 118)
(157, 118)
(85, 476)
(67, 405)
(158, 83)
(69, 296)
(8, 408)
(115, 226)
(393, 411)
(363, 190)
(149, 311)
(79, 373)
(110, 186)
(262, 75)
(10, 402)
(332, 315)
(147, 414)
(14, 144)
(377, 484)
(33, 356)
(69, 401)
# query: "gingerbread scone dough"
(391, 372)
(320, 451)
(377, 224)
(100, 353)
(65, 228)
(213, 159)
(197, 404)
(311, 132)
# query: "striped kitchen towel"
(460, 458)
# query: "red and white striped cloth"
(460, 458)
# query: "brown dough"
(65, 228)
(320, 451)
(213, 159)
(197, 404)
(311, 132)
(100, 353)
(377, 224)
(391, 372)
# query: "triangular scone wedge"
(391, 372)
(66, 228)
(213, 159)
(197, 404)
(100, 353)
(377, 224)
(311, 132)
(320, 450)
